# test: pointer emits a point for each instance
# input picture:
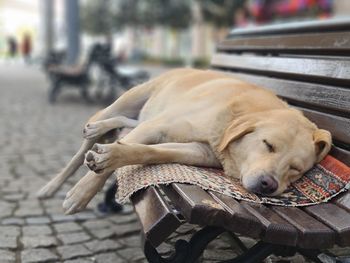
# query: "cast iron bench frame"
(78, 75)
(308, 65)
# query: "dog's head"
(273, 149)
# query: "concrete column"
(47, 14)
(72, 28)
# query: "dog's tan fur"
(195, 117)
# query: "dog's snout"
(268, 184)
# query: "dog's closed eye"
(269, 146)
(295, 169)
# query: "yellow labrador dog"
(202, 118)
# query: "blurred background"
(181, 32)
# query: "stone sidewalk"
(36, 140)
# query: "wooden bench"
(308, 65)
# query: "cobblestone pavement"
(36, 140)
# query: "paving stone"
(6, 208)
(293, 259)
(67, 227)
(97, 224)
(62, 217)
(127, 209)
(76, 237)
(38, 220)
(103, 233)
(37, 255)
(122, 219)
(132, 241)
(184, 229)
(29, 211)
(87, 215)
(219, 255)
(8, 242)
(81, 260)
(166, 249)
(340, 251)
(14, 197)
(103, 245)
(72, 251)
(127, 229)
(131, 254)
(109, 258)
(10, 231)
(247, 241)
(7, 256)
(13, 221)
(38, 241)
(36, 230)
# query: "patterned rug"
(324, 181)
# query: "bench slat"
(315, 43)
(157, 219)
(311, 233)
(338, 126)
(341, 154)
(332, 25)
(277, 230)
(343, 201)
(336, 218)
(196, 205)
(322, 96)
(242, 221)
(335, 71)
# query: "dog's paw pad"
(89, 156)
(92, 130)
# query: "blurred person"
(26, 48)
(12, 46)
(264, 11)
(241, 17)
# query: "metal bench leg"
(84, 93)
(55, 88)
(185, 252)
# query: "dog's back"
(189, 90)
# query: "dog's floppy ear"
(323, 143)
(238, 128)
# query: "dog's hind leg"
(122, 113)
(88, 186)
(96, 129)
(51, 187)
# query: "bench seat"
(308, 65)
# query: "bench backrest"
(307, 64)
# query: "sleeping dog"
(202, 118)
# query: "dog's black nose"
(268, 184)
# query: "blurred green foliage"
(105, 16)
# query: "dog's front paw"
(98, 158)
(93, 130)
(48, 190)
(81, 194)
